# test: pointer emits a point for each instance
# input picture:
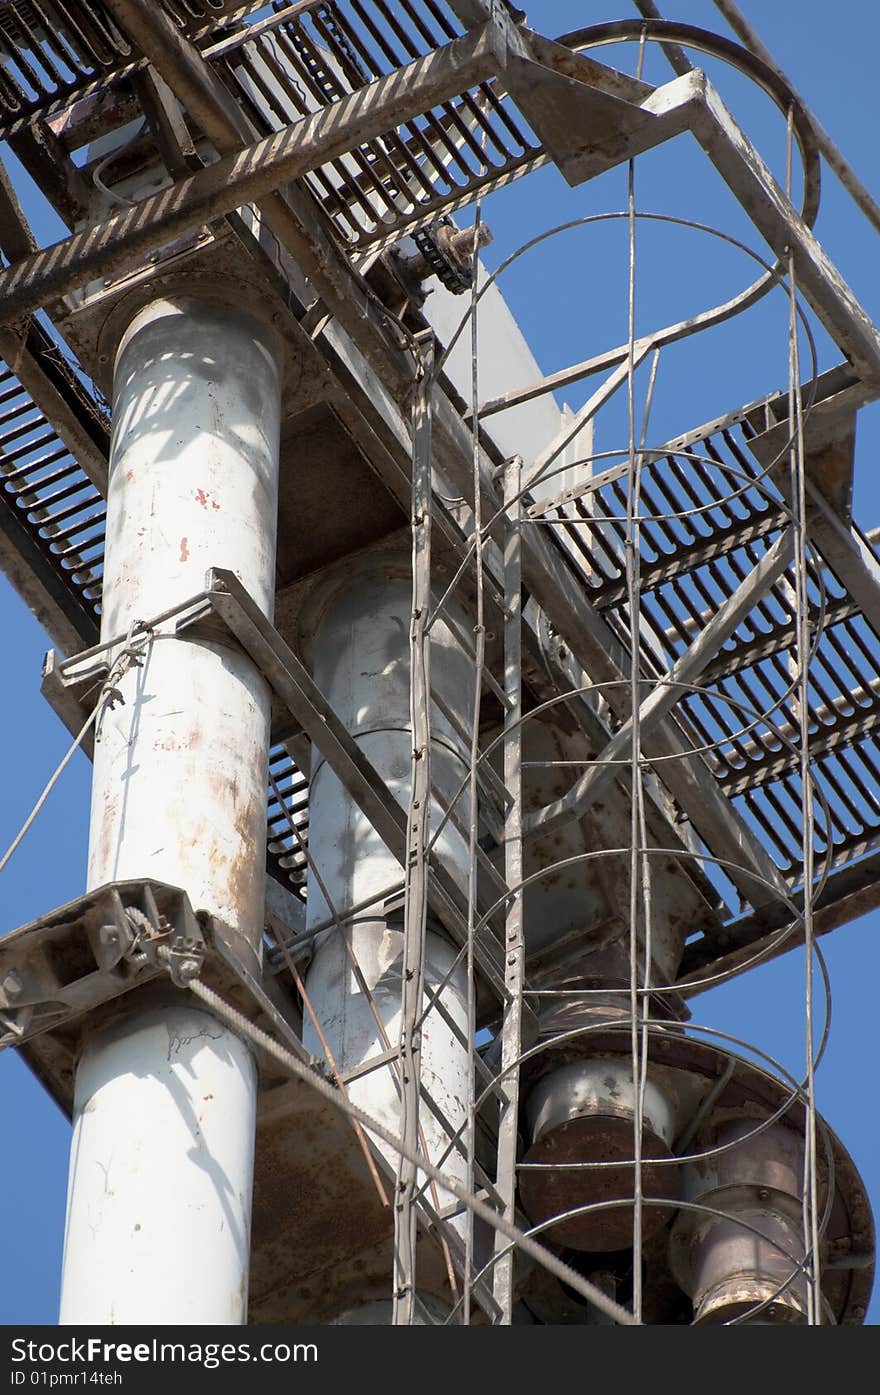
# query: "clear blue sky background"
(571, 300)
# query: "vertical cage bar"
(514, 946)
(418, 827)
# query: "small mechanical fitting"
(183, 964)
(178, 949)
(11, 986)
(448, 252)
(144, 937)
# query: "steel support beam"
(52, 170)
(504, 1278)
(473, 12)
(16, 238)
(61, 400)
(247, 175)
(166, 122)
(776, 218)
(842, 168)
(852, 891)
(851, 560)
(415, 922)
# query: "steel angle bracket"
(118, 938)
(72, 692)
(586, 129)
(829, 431)
(577, 121)
(90, 951)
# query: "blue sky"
(571, 300)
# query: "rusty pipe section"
(744, 1264)
(585, 1113)
(580, 1099)
(162, 1154)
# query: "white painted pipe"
(158, 1220)
(179, 787)
(362, 666)
(179, 795)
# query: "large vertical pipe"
(162, 1151)
(362, 665)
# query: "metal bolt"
(858, 1311)
(188, 969)
(109, 935)
(763, 1194)
(12, 984)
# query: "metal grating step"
(411, 175)
(48, 494)
(708, 514)
(280, 67)
(286, 856)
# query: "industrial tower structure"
(440, 760)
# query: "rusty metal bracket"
(113, 940)
(91, 950)
(584, 129)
